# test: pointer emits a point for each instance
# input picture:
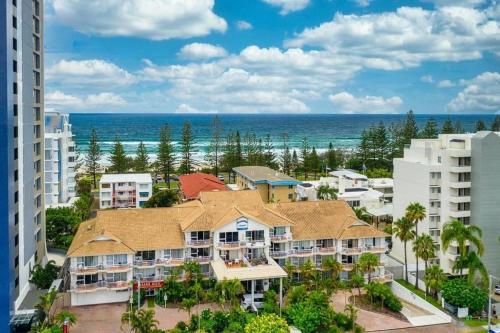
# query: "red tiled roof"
(191, 185)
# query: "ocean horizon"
(342, 130)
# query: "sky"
(272, 56)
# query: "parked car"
(221, 178)
(258, 301)
(497, 289)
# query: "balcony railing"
(280, 238)
(230, 245)
(101, 285)
(301, 252)
(361, 249)
(278, 254)
(199, 242)
(100, 268)
(162, 262)
(327, 250)
(200, 259)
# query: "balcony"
(139, 263)
(230, 245)
(458, 199)
(459, 213)
(460, 184)
(374, 249)
(255, 243)
(200, 259)
(101, 285)
(278, 254)
(352, 250)
(348, 266)
(301, 252)
(280, 238)
(459, 169)
(326, 250)
(452, 256)
(383, 278)
(199, 243)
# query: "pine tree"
(286, 156)
(430, 130)
(228, 158)
(447, 127)
(238, 152)
(215, 148)
(251, 149)
(259, 155)
(187, 148)
(314, 162)
(305, 150)
(166, 153)
(480, 126)
(93, 156)
(331, 157)
(141, 162)
(458, 128)
(495, 125)
(269, 154)
(118, 158)
(410, 130)
(380, 143)
(295, 163)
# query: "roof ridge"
(279, 215)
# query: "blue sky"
(273, 56)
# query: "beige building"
(273, 186)
(231, 234)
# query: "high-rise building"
(60, 159)
(455, 177)
(21, 149)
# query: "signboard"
(242, 224)
(150, 284)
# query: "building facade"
(272, 185)
(128, 190)
(60, 159)
(231, 234)
(455, 177)
(21, 148)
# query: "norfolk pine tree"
(166, 153)
(216, 145)
(93, 156)
(187, 147)
(141, 162)
(118, 158)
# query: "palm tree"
(289, 269)
(333, 266)
(362, 214)
(192, 271)
(307, 270)
(461, 233)
(415, 212)
(357, 281)
(45, 305)
(352, 313)
(140, 321)
(367, 263)
(434, 279)
(326, 192)
(65, 316)
(234, 289)
(403, 229)
(424, 248)
(475, 265)
(187, 304)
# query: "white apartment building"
(232, 234)
(456, 176)
(60, 159)
(127, 190)
(384, 186)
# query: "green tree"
(305, 151)
(333, 267)
(312, 313)
(326, 192)
(295, 163)
(82, 207)
(140, 321)
(495, 124)
(476, 268)
(216, 145)
(61, 225)
(84, 186)
(434, 279)
(458, 128)
(332, 160)
(227, 291)
(461, 233)
(141, 162)
(460, 293)
(118, 158)
(188, 303)
(430, 130)
(270, 304)
(415, 212)
(42, 277)
(362, 214)
(93, 156)
(164, 198)
(267, 323)
(269, 154)
(286, 156)
(239, 151)
(166, 153)
(424, 248)
(307, 272)
(357, 281)
(187, 148)
(63, 317)
(447, 127)
(314, 162)
(45, 305)
(480, 126)
(368, 262)
(410, 129)
(403, 230)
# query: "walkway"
(371, 321)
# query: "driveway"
(371, 321)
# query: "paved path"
(445, 328)
(371, 321)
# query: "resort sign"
(242, 224)
(155, 284)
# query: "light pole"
(138, 276)
(131, 307)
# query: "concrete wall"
(281, 193)
(99, 297)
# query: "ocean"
(343, 130)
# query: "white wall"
(99, 297)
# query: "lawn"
(151, 302)
(420, 293)
(173, 185)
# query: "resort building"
(21, 151)
(60, 160)
(126, 190)
(191, 185)
(272, 185)
(455, 177)
(342, 179)
(384, 186)
(231, 234)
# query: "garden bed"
(363, 302)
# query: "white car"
(221, 178)
(497, 289)
(258, 302)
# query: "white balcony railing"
(280, 238)
(199, 242)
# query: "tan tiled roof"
(256, 173)
(361, 231)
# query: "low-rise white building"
(127, 190)
(384, 186)
(60, 160)
(231, 234)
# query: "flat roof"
(366, 193)
(126, 177)
(381, 182)
(348, 173)
(261, 174)
(270, 271)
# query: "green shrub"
(460, 293)
(382, 293)
(267, 323)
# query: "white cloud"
(196, 51)
(363, 3)
(88, 72)
(156, 20)
(481, 94)
(445, 84)
(186, 108)
(427, 79)
(59, 99)
(347, 103)
(407, 37)
(463, 3)
(243, 25)
(288, 6)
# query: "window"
(16, 261)
(116, 259)
(355, 203)
(86, 279)
(16, 175)
(15, 132)
(14, 44)
(16, 240)
(38, 235)
(36, 95)
(14, 22)
(38, 166)
(15, 110)
(146, 255)
(36, 23)
(36, 43)
(200, 252)
(465, 220)
(116, 277)
(14, 66)
(16, 197)
(228, 237)
(464, 161)
(16, 219)
(278, 231)
(290, 196)
(36, 113)
(464, 177)
(105, 185)
(36, 78)
(464, 192)
(255, 235)
(14, 3)
(200, 235)
(15, 153)
(17, 282)
(439, 159)
(464, 206)
(88, 261)
(143, 194)
(436, 175)
(173, 254)
(71, 159)
(290, 187)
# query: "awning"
(270, 271)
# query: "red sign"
(150, 284)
